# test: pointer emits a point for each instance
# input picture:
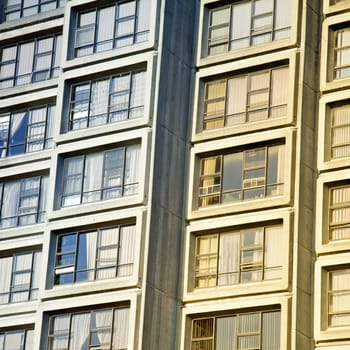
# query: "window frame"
(24, 332)
(245, 179)
(223, 117)
(95, 270)
(90, 312)
(101, 191)
(23, 194)
(13, 288)
(20, 8)
(109, 79)
(237, 315)
(241, 267)
(13, 80)
(92, 45)
(206, 33)
(47, 138)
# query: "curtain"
(25, 63)
(29, 339)
(248, 323)
(219, 31)
(59, 329)
(5, 279)
(14, 339)
(86, 257)
(99, 102)
(273, 257)
(113, 173)
(279, 92)
(240, 25)
(215, 105)
(101, 323)
(119, 98)
(29, 200)
(35, 276)
(206, 261)
(340, 214)
(73, 177)
(211, 181)
(121, 329)
(93, 177)
(44, 48)
(49, 126)
(137, 98)
(125, 26)
(258, 96)
(271, 329)
(21, 277)
(229, 258)
(10, 202)
(131, 172)
(275, 170)
(126, 250)
(43, 198)
(107, 253)
(142, 23)
(80, 331)
(104, 33)
(262, 21)
(340, 297)
(341, 132)
(282, 18)
(236, 100)
(225, 336)
(36, 129)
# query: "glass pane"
(271, 329)
(225, 333)
(240, 26)
(232, 172)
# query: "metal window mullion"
(34, 57)
(27, 131)
(39, 199)
(1, 199)
(263, 254)
(82, 179)
(70, 330)
(221, 178)
(47, 108)
(266, 169)
(230, 24)
(53, 54)
(123, 171)
(129, 97)
(22, 9)
(118, 253)
(89, 102)
(103, 177)
(226, 99)
(261, 329)
(14, 79)
(110, 82)
(274, 5)
(19, 202)
(217, 259)
(269, 97)
(248, 87)
(96, 252)
(76, 256)
(137, 2)
(8, 135)
(12, 279)
(31, 277)
(252, 11)
(94, 42)
(241, 233)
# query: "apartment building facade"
(174, 174)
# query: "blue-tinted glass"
(67, 243)
(18, 133)
(82, 252)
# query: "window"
(19, 279)
(340, 131)
(23, 202)
(339, 298)
(248, 23)
(246, 98)
(93, 255)
(341, 53)
(100, 176)
(26, 131)
(97, 329)
(254, 330)
(250, 174)
(30, 62)
(339, 215)
(15, 9)
(108, 100)
(122, 24)
(16, 339)
(239, 256)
